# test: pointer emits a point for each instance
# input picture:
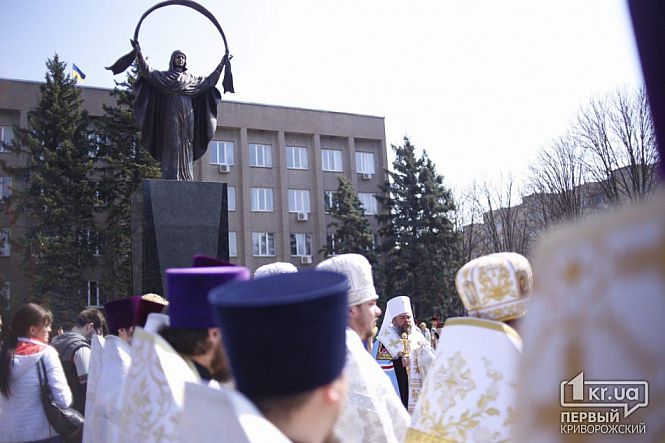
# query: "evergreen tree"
(55, 195)
(352, 231)
(419, 241)
(122, 167)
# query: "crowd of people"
(149, 378)
(194, 365)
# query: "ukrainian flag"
(77, 73)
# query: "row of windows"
(101, 200)
(89, 238)
(261, 200)
(93, 296)
(297, 157)
(260, 155)
(263, 244)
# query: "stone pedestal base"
(171, 222)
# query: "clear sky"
(480, 84)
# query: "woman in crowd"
(22, 417)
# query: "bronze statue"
(176, 112)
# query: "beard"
(368, 329)
(406, 327)
(219, 366)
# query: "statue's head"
(178, 61)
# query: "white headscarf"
(278, 267)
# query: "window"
(5, 296)
(91, 239)
(96, 142)
(369, 202)
(261, 199)
(331, 160)
(365, 162)
(263, 244)
(231, 195)
(296, 158)
(260, 156)
(5, 246)
(221, 152)
(298, 200)
(233, 244)
(331, 241)
(6, 135)
(5, 187)
(328, 201)
(94, 298)
(101, 195)
(301, 244)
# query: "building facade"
(281, 165)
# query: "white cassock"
(420, 352)
(373, 411)
(211, 415)
(598, 307)
(116, 362)
(153, 394)
(94, 373)
(469, 393)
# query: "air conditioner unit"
(302, 216)
(306, 260)
(224, 169)
(367, 176)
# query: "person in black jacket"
(74, 350)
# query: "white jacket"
(22, 416)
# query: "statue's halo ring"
(126, 60)
(189, 4)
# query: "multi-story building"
(518, 228)
(280, 163)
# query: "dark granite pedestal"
(171, 222)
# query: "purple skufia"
(648, 24)
(145, 308)
(187, 292)
(120, 313)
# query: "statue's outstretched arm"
(211, 80)
(144, 69)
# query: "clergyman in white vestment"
(373, 412)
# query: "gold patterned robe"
(469, 393)
(597, 308)
(373, 412)
(154, 390)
